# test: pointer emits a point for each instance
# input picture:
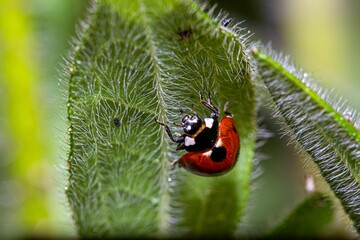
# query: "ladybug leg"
(209, 100)
(226, 107)
(208, 104)
(177, 139)
(174, 163)
(192, 109)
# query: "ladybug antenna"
(178, 124)
(192, 109)
(182, 111)
(226, 108)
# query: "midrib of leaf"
(350, 128)
(164, 186)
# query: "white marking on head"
(218, 143)
(193, 120)
(188, 127)
(208, 153)
(209, 122)
(189, 141)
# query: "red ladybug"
(213, 147)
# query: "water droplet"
(310, 184)
(77, 48)
(79, 62)
(70, 129)
(305, 75)
(169, 179)
(71, 69)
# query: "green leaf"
(326, 130)
(137, 60)
(309, 219)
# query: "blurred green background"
(322, 36)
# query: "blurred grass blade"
(134, 61)
(309, 219)
(325, 130)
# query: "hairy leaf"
(309, 219)
(139, 60)
(327, 131)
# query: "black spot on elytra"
(234, 128)
(218, 154)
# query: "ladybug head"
(191, 124)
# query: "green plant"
(137, 60)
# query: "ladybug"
(213, 147)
